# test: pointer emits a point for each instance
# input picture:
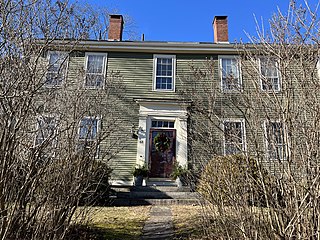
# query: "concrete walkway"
(159, 225)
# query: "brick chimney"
(220, 26)
(115, 28)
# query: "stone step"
(160, 188)
(160, 192)
(173, 201)
(155, 182)
(141, 202)
(157, 195)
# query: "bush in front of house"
(98, 188)
(238, 192)
(233, 179)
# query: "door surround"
(162, 110)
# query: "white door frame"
(162, 110)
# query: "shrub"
(234, 179)
(98, 188)
(236, 189)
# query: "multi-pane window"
(270, 79)
(95, 70)
(164, 66)
(230, 74)
(46, 130)
(88, 129)
(162, 124)
(275, 140)
(234, 140)
(56, 69)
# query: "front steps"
(157, 192)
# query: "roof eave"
(153, 47)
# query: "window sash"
(164, 72)
(230, 74)
(88, 128)
(270, 79)
(95, 70)
(234, 140)
(56, 69)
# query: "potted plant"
(180, 174)
(139, 173)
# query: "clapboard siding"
(135, 71)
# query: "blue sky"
(184, 20)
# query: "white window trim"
(155, 57)
(64, 73)
(261, 80)
(267, 140)
(239, 73)
(242, 121)
(104, 69)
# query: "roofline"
(149, 47)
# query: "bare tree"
(279, 103)
(54, 148)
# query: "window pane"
(95, 64)
(88, 128)
(233, 135)
(154, 124)
(164, 83)
(230, 74)
(94, 80)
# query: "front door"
(161, 159)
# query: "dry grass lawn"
(106, 223)
(117, 222)
(187, 221)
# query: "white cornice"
(152, 47)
